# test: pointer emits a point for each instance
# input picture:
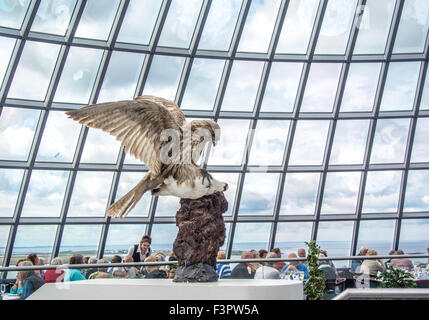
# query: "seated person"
(54, 275)
(401, 263)
(132, 272)
(302, 254)
(262, 253)
(74, 274)
(371, 267)
(324, 253)
(357, 263)
(330, 273)
(267, 271)
(243, 270)
(88, 272)
(172, 267)
(295, 266)
(102, 272)
(17, 287)
(223, 270)
(153, 272)
(31, 281)
(279, 265)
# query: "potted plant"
(314, 287)
(396, 278)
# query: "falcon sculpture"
(155, 131)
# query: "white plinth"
(164, 289)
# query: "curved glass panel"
(10, 183)
(297, 26)
(261, 13)
(45, 193)
(420, 151)
(97, 19)
(382, 192)
(416, 196)
(79, 239)
(203, 83)
(220, 24)
(414, 237)
(309, 142)
(59, 139)
(259, 193)
(12, 13)
(377, 235)
(341, 192)
(250, 236)
(53, 16)
(300, 194)
(180, 23)
(7, 45)
(4, 235)
(281, 91)
(374, 27)
(34, 71)
(117, 243)
(139, 21)
(413, 27)
(17, 127)
(78, 77)
(90, 194)
(361, 87)
(291, 236)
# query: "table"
(8, 296)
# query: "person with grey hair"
(102, 272)
(31, 281)
(57, 275)
(88, 272)
(267, 271)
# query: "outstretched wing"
(174, 109)
(137, 124)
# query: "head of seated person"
(116, 259)
(102, 261)
(76, 259)
(149, 269)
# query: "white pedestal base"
(164, 289)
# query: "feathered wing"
(174, 109)
(137, 124)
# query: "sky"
(269, 139)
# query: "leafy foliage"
(396, 278)
(314, 288)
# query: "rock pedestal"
(201, 234)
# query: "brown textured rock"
(201, 234)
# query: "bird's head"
(207, 128)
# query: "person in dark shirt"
(153, 272)
(31, 281)
(243, 270)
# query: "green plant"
(396, 278)
(315, 286)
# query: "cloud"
(300, 193)
(400, 88)
(259, 193)
(78, 76)
(90, 194)
(361, 86)
(10, 183)
(203, 83)
(321, 87)
(139, 21)
(269, 142)
(374, 27)
(247, 86)
(416, 196)
(349, 142)
(100, 147)
(341, 192)
(281, 91)
(59, 138)
(45, 193)
(297, 26)
(7, 45)
(252, 232)
(382, 191)
(390, 141)
(164, 76)
(31, 79)
(180, 23)
(420, 151)
(259, 26)
(97, 19)
(309, 142)
(17, 127)
(220, 24)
